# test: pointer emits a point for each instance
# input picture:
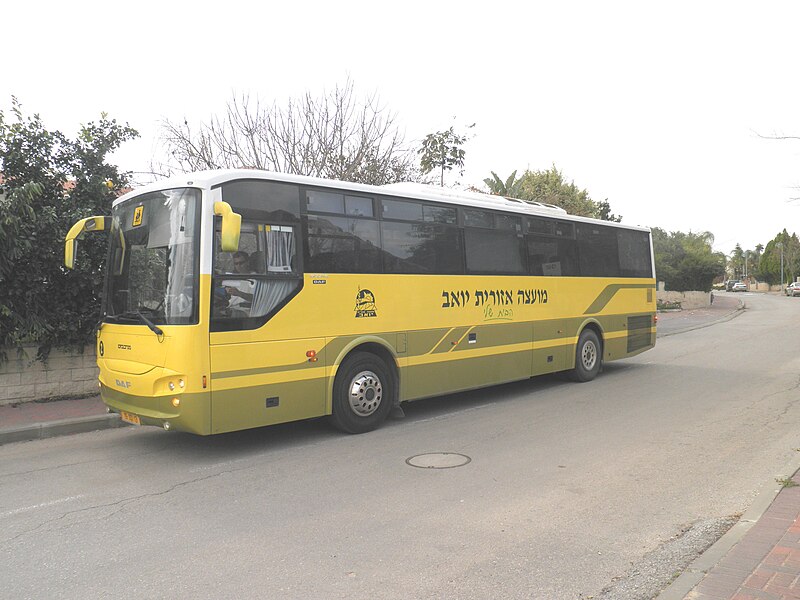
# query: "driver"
(240, 290)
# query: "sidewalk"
(36, 420)
(759, 558)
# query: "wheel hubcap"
(365, 393)
(589, 355)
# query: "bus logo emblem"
(365, 304)
(138, 212)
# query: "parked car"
(793, 289)
(739, 287)
(729, 284)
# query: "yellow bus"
(241, 298)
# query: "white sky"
(654, 106)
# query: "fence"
(687, 300)
(63, 374)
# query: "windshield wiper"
(135, 314)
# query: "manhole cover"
(438, 460)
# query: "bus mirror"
(231, 226)
(90, 224)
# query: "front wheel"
(363, 392)
(588, 357)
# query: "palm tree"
(509, 188)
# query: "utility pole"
(780, 245)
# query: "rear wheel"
(588, 357)
(362, 393)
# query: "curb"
(694, 573)
(39, 431)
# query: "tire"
(363, 393)
(588, 357)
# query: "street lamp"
(780, 245)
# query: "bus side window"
(251, 283)
(280, 249)
(343, 245)
(598, 252)
(281, 280)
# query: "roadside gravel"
(657, 569)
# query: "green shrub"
(49, 182)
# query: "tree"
(550, 187)
(443, 151)
(686, 261)
(757, 254)
(333, 136)
(603, 211)
(770, 264)
(736, 263)
(510, 188)
(49, 182)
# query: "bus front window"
(153, 259)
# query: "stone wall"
(687, 300)
(23, 379)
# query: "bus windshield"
(153, 259)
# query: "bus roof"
(414, 191)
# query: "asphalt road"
(569, 486)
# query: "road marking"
(17, 511)
(452, 413)
(218, 465)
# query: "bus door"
(263, 370)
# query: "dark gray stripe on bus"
(609, 292)
(444, 344)
(258, 371)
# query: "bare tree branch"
(333, 136)
(777, 137)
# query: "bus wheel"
(362, 393)
(587, 357)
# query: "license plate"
(130, 418)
